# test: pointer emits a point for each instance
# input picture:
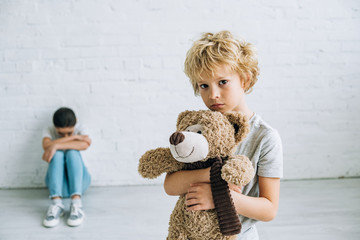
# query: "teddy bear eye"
(197, 128)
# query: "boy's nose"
(214, 94)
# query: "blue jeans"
(67, 175)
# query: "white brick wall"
(119, 65)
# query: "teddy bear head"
(206, 134)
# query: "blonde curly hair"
(215, 49)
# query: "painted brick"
(119, 65)
(7, 67)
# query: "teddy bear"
(204, 139)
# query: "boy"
(67, 175)
(222, 69)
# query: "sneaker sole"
(75, 223)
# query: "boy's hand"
(49, 153)
(199, 197)
(235, 188)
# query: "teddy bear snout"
(176, 138)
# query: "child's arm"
(47, 141)
(76, 142)
(199, 194)
(178, 183)
(264, 207)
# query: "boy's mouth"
(217, 106)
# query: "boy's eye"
(203, 86)
(223, 82)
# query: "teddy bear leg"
(176, 232)
(176, 235)
(222, 237)
(233, 237)
(176, 225)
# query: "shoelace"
(75, 211)
(53, 210)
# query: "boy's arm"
(263, 208)
(178, 183)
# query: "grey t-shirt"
(264, 149)
(51, 133)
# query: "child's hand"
(49, 153)
(235, 188)
(199, 197)
(87, 139)
(84, 138)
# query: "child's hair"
(64, 117)
(213, 50)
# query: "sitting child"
(67, 175)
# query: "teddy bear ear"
(181, 117)
(240, 123)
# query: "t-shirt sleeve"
(271, 157)
(80, 130)
(47, 132)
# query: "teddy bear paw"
(238, 171)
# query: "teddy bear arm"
(238, 170)
(156, 162)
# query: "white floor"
(318, 209)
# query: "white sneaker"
(76, 217)
(52, 218)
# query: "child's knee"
(70, 154)
(59, 154)
(57, 160)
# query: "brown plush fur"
(223, 133)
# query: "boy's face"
(65, 131)
(222, 92)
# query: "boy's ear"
(245, 80)
(240, 123)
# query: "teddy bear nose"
(176, 138)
